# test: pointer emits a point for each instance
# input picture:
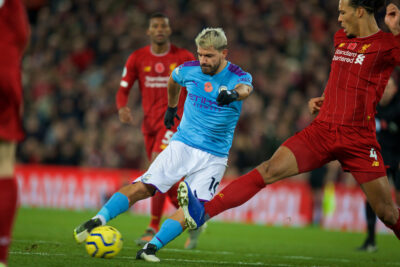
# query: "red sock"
(396, 227)
(8, 206)
(235, 194)
(157, 206)
(173, 195)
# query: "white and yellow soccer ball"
(104, 242)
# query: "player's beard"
(209, 69)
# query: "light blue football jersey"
(204, 124)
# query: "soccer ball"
(104, 242)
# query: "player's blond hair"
(212, 37)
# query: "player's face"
(210, 59)
(348, 18)
(159, 30)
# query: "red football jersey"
(360, 70)
(153, 73)
(14, 29)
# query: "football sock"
(235, 194)
(116, 205)
(396, 227)
(8, 207)
(371, 222)
(169, 230)
(157, 206)
(173, 195)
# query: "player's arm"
(128, 78)
(174, 90)
(240, 92)
(315, 104)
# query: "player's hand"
(314, 105)
(226, 97)
(169, 117)
(392, 18)
(125, 115)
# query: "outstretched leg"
(170, 229)
(117, 204)
(380, 198)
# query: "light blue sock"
(117, 204)
(169, 230)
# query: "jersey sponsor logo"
(352, 46)
(222, 88)
(204, 103)
(208, 87)
(147, 69)
(360, 59)
(156, 82)
(364, 48)
(159, 67)
(348, 57)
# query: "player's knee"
(386, 213)
(268, 172)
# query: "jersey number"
(213, 185)
(167, 137)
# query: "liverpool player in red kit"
(14, 29)
(152, 66)
(344, 129)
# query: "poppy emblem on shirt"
(159, 67)
(208, 87)
(364, 48)
(352, 46)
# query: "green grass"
(43, 237)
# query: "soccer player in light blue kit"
(199, 149)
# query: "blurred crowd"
(72, 70)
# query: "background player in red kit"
(14, 29)
(152, 66)
(344, 129)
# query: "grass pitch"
(43, 237)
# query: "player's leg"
(170, 229)
(117, 204)
(380, 198)
(154, 145)
(162, 174)
(303, 152)
(369, 244)
(204, 176)
(8, 197)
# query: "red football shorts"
(355, 148)
(157, 142)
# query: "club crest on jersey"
(222, 88)
(208, 87)
(364, 48)
(159, 67)
(172, 66)
(352, 46)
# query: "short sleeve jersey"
(205, 125)
(360, 70)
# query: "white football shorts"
(202, 170)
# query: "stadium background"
(72, 69)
